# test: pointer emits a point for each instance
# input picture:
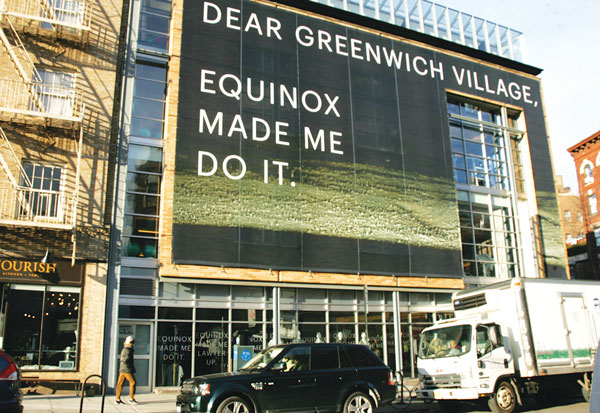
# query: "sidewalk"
(147, 403)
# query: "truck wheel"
(504, 399)
(359, 403)
(234, 405)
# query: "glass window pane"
(242, 293)
(312, 296)
(174, 313)
(142, 204)
(144, 158)
(140, 225)
(146, 128)
(138, 182)
(23, 327)
(457, 146)
(212, 292)
(149, 89)
(59, 335)
(153, 22)
(139, 247)
(459, 161)
(249, 315)
(173, 353)
(152, 72)
(177, 291)
(212, 348)
(460, 177)
(212, 313)
(146, 108)
(153, 41)
(341, 297)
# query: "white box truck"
(519, 337)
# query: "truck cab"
(465, 360)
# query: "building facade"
(574, 230)
(304, 171)
(586, 155)
(57, 92)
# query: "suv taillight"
(391, 379)
(8, 368)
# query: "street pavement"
(164, 402)
(147, 403)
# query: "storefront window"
(211, 348)
(390, 346)
(42, 327)
(248, 335)
(173, 353)
(342, 333)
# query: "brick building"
(318, 171)
(574, 230)
(586, 155)
(57, 88)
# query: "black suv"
(295, 378)
(11, 397)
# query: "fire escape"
(30, 99)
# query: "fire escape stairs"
(24, 66)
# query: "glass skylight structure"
(440, 21)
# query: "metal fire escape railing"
(20, 202)
(30, 96)
(69, 19)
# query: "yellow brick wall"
(94, 62)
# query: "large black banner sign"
(305, 144)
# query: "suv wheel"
(359, 403)
(234, 405)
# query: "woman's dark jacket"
(126, 365)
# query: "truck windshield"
(445, 342)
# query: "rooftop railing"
(440, 21)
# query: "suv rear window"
(361, 356)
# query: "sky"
(563, 39)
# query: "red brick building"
(586, 155)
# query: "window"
(140, 228)
(593, 203)
(479, 134)
(144, 167)
(154, 25)
(597, 237)
(41, 186)
(568, 216)
(147, 113)
(479, 155)
(42, 327)
(55, 93)
(579, 216)
(297, 359)
(489, 337)
(69, 12)
(324, 357)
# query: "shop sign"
(22, 270)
